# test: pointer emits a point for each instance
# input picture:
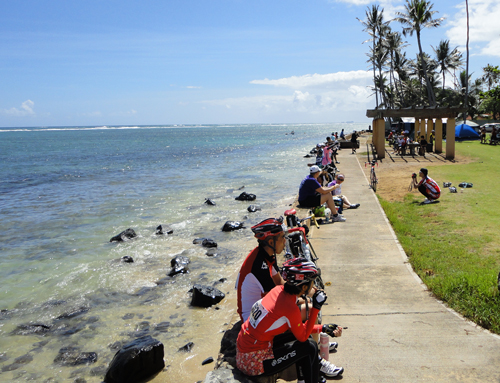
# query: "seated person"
(390, 136)
(337, 192)
(312, 194)
(423, 145)
(427, 186)
(259, 272)
(493, 137)
(262, 348)
(403, 140)
(319, 154)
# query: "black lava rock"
(206, 296)
(232, 225)
(187, 347)
(207, 361)
(179, 265)
(246, 197)
(136, 361)
(207, 242)
(71, 356)
(163, 229)
(253, 208)
(31, 328)
(211, 252)
(124, 236)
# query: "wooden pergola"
(424, 123)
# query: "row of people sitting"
(275, 333)
(274, 305)
(313, 194)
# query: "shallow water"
(64, 192)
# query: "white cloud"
(316, 80)
(351, 98)
(26, 109)
(388, 6)
(193, 87)
(484, 28)
(298, 96)
(333, 96)
(353, 2)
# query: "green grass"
(454, 246)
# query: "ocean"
(65, 191)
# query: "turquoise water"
(64, 192)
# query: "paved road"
(397, 332)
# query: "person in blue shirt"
(312, 194)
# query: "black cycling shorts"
(311, 201)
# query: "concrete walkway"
(397, 332)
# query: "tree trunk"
(430, 93)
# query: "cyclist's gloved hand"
(319, 298)
(329, 329)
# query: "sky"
(157, 62)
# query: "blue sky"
(155, 62)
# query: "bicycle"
(373, 175)
(297, 244)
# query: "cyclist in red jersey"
(427, 186)
(259, 272)
(262, 346)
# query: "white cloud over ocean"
(26, 109)
(316, 80)
(308, 94)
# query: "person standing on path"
(354, 142)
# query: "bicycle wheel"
(373, 180)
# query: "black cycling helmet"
(298, 271)
(268, 228)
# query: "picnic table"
(412, 146)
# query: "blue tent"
(465, 132)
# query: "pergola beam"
(416, 112)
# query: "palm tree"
(394, 43)
(491, 75)
(418, 15)
(401, 67)
(417, 70)
(373, 24)
(447, 59)
(470, 91)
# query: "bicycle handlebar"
(312, 217)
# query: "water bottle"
(324, 346)
(328, 214)
(307, 252)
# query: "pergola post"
(416, 130)
(439, 136)
(430, 124)
(379, 137)
(450, 139)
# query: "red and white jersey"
(271, 316)
(431, 186)
(255, 280)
